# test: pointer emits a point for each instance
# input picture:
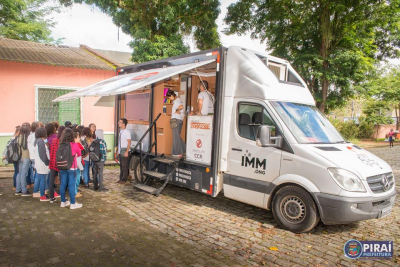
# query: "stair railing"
(154, 144)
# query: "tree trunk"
(326, 31)
(324, 92)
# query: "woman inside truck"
(178, 146)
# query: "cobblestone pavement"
(183, 228)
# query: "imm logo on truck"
(254, 162)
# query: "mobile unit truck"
(266, 144)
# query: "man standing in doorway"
(205, 100)
(124, 144)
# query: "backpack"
(64, 158)
(13, 153)
(94, 151)
(85, 150)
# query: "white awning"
(130, 82)
(105, 101)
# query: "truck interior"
(139, 107)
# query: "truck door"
(251, 168)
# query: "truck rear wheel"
(294, 209)
(135, 167)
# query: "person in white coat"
(42, 160)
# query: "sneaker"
(75, 206)
(18, 193)
(78, 195)
(65, 204)
(52, 200)
(27, 194)
(56, 195)
(44, 198)
(36, 194)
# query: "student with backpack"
(77, 139)
(86, 142)
(23, 164)
(66, 155)
(31, 148)
(98, 154)
(42, 161)
(7, 157)
(53, 165)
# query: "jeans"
(98, 174)
(52, 177)
(23, 165)
(36, 184)
(42, 183)
(32, 172)
(29, 175)
(86, 172)
(16, 170)
(68, 179)
(78, 179)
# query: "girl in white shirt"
(178, 146)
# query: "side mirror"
(264, 138)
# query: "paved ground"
(179, 228)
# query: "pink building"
(33, 74)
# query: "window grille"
(49, 111)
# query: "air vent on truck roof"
(328, 148)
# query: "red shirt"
(53, 152)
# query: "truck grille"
(381, 183)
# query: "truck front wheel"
(294, 209)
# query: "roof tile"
(46, 54)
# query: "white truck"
(266, 144)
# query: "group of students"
(39, 155)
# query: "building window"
(48, 111)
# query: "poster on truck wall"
(199, 139)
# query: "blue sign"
(354, 249)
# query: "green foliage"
(365, 129)
(25, 20)
(347, 129)
(155, 25)
(376, 112)
(160, 47)
(350, 130)
(332, 43)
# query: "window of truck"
(281, 71)
(251, 116)
(307, 123)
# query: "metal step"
(167, 161)
(146, 188)
(157, 175)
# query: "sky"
(84, 24)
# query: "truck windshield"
(307, 123)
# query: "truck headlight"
(347, 180)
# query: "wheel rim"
(140, 178)
(293, 209)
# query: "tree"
(25, 20)
(385, 86)
(158, 27)
(376, 112)
(332, 43)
